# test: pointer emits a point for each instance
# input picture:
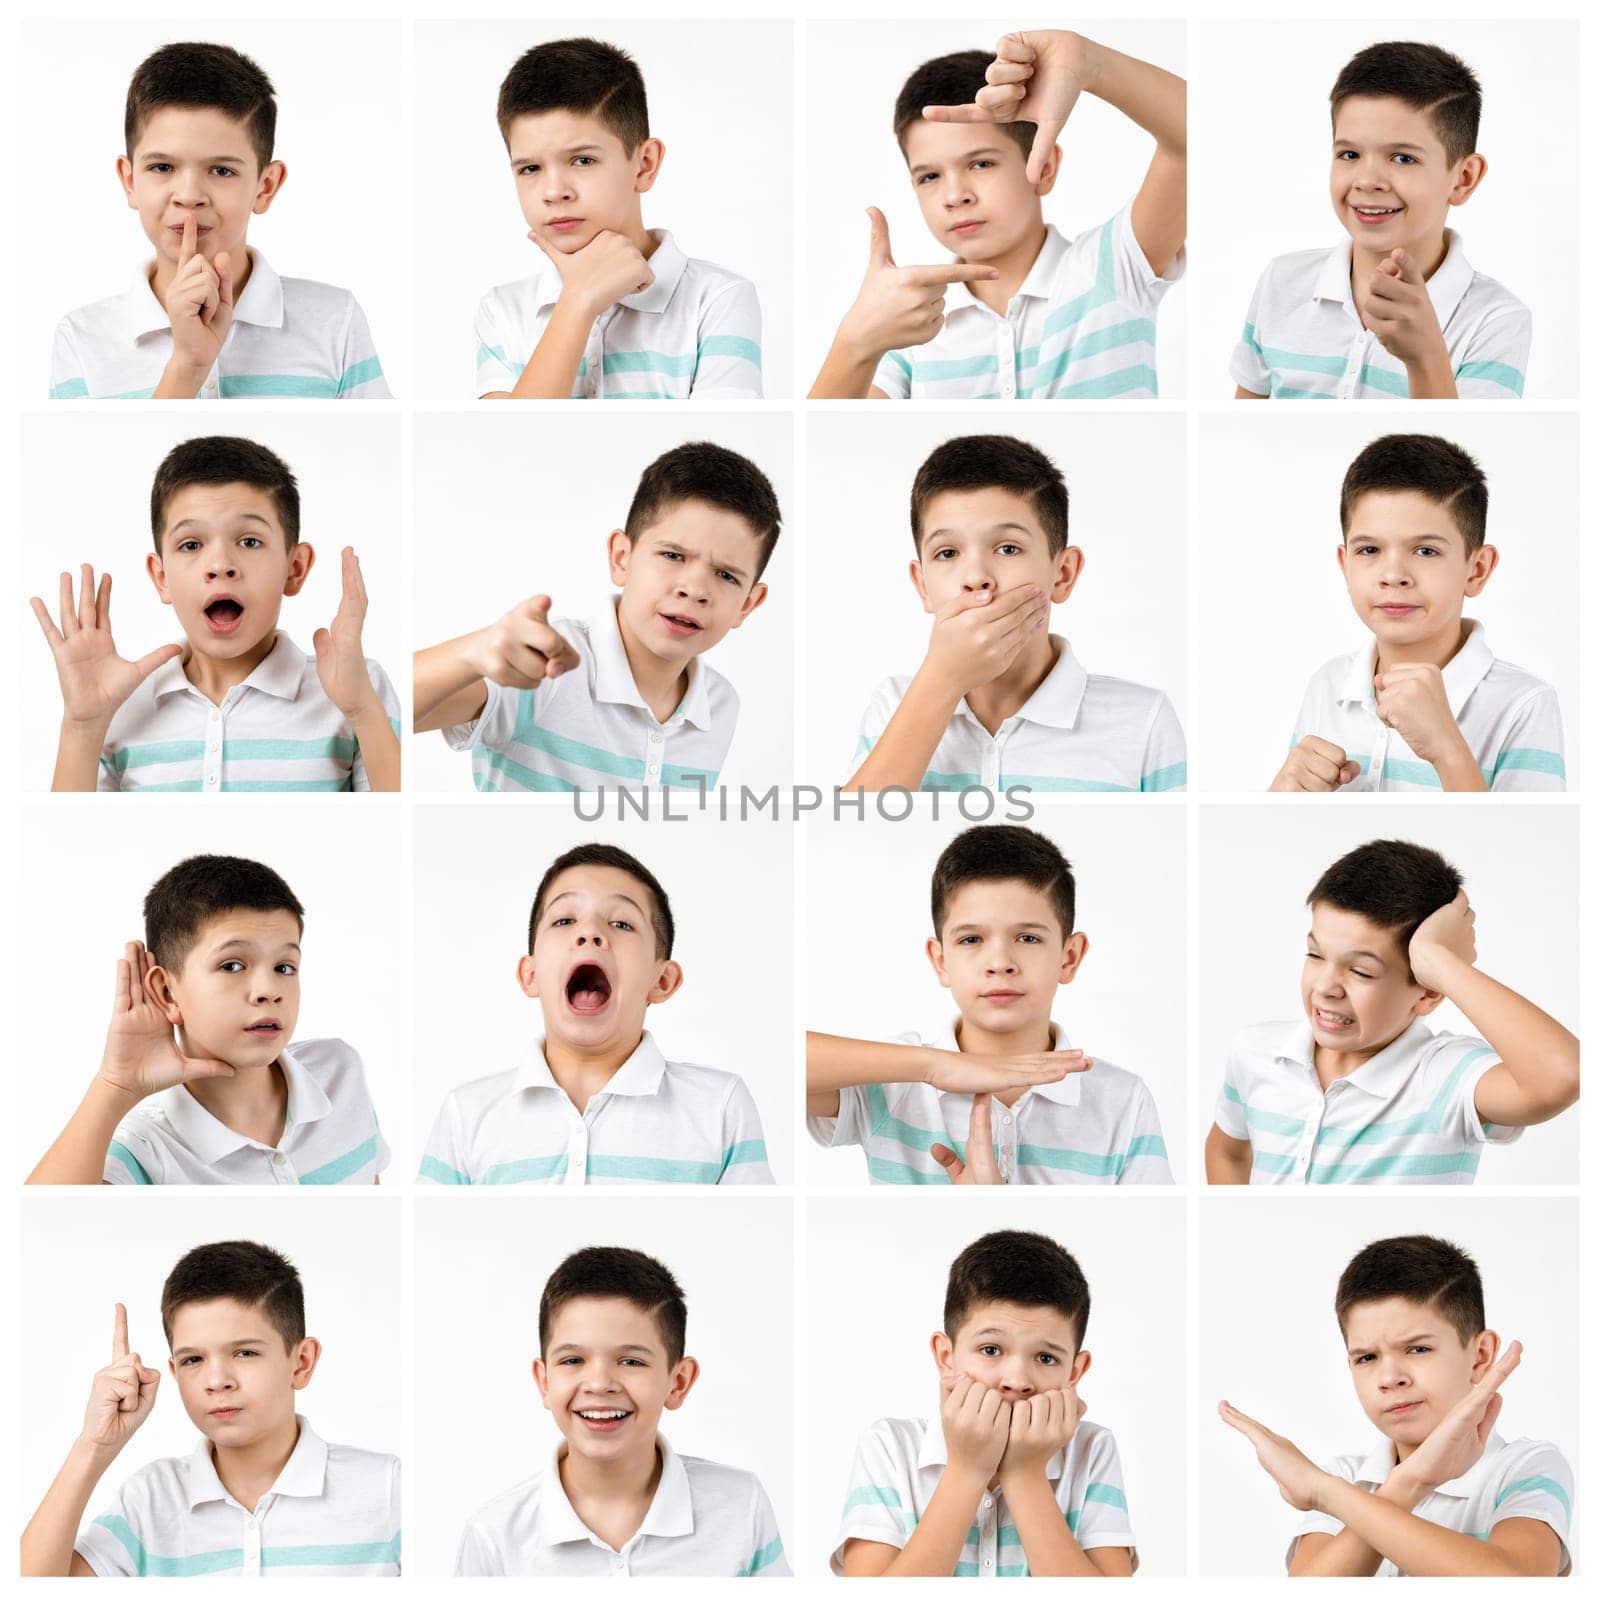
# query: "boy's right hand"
(141, 1054)
(122, 1396)
(977, 636)
(1457, 1442)
(95, 679)
(1315, 766)
(977, 1426)
(521, 649)
(981, 1169)
(898, 306)
(951, 1071)
(608, 268)
(199, 304)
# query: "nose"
(1392, 1376)
(955, 190)
(222, 565)
(998, 960)
(976, 577)
(691, 582)
(265, 989)
(592, 938)
(219, 1377)
(1394, 572)
(1016, 1378)
(556, 185)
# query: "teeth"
(602, 1413)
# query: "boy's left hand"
(981, 1168)
(1040, 1427)
(1456, 1443)
(1399, 311)
(1299, 1480)
(1412, 700)
(341, 664)
(1447, 931)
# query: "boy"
(922, 1107)
(615, 311)
(1035, 317)
(204, 1017)
(1361, 1090)
(1442, 1493)
(999, 701)
(615, 1498)
(1427, 705)
(1397, 310)
(209, 318)
(262, 1494)
(240, 709)
(622, 700)
(1007, 1477)
(595, 1102)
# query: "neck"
(251, 1102)
(249, 1472)
(160, 276)
(1000, 699)
(631, 1478)
(1439, 650)
(215, 677)
(581, 1072)
(661, 683)
(1038, 1038)
(1332, 1064)
(1014, 266)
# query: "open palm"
(141, 1055)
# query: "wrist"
(181, 368)
(113, 1097)
(578, 304)
(87, 734)
(1404, 1487)
(1324, 1494)
(966, 1477)
(1430, 375)
(368, 713)
(939, 683)
(90, 1457)
(1458, 770)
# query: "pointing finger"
(878, 253)
(186, 248)
(119, 1335)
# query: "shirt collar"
(1066, 1091)
(671, 1510)
(304, 1474)
(667, 262)
(261, 303)
(1382, 1074)
(210, 1141)
(279, 674)
(1038, 284)
(932, 1455)
(1058, 698)
(1449, 282)
(1462, 672)
(1376, 1466)
(613, 676)
(638, 1076)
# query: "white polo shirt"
(1520, 1479)
(1509, 717)
(290, 339)
(275, 732)
(330, 1132)
(1304, 339)
(1076, 733)
(1406, 1116)
(705, 1519)
(1082, 326)
(898, 1466)
(590, 729)
(695, 332)
(1093, 1126)
(654, 1121)
(332, 1511)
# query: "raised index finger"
(1504, 1365)
(119, 1335)
(186, 248)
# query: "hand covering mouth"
(588, 989)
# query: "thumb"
(156, 658)
(948, 1161)
(1044, 142)
(205, 1069)
(1348, 772)
(878, 254)
(322, 643)
(538, 239)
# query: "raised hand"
(978, 636)
(1448, 932)
(122, 1395)
(957, 1072)
(1040, 1427)
(141, 1054)
(522, 649)
(199, 303)
(1400, 312)
(608, 268)
(341, 662)
(1298, 1479)
(1411, 698)
(1456, 1443)
(1315, 766)
(981, 1168)
(976, 1425)
(95, 680)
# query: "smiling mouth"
(588, 990)
(224, 615)
(603, 1420)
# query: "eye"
(159, 166)
(1366, 549)
(1365, 975)
(623, 925)
(246, 1353)
(942, 554)
(990, 1350)
(231, 966)
(1010, 549)
(286, 969)
(1427, 549)
(728, 576)
(1029, 937)
(638, 1364)
(585, 160)
(1048, 1358)
(251, 541)
(528, 170)
(1400, 155)
(1344, 155)
(224, 171)
(562, 920)
(982, 163)
(571, 1358)
(967, 937)
(926, 177)
(1362, 1358)
(188, 1359)
(1419, 1347)
(1310, 955)
(670, 554)
(188, 546)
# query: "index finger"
(957, 113)
(980, 1116)
(119, 1335)
(186, 248)
(1239, 1420)
(1507, 1362)
(959, 272)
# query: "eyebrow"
(626, 1347)
(244, 942)
(572, 892)
(243, 1341)
(725, 565)
(999, 526)
(987, 149)
(240, 515)
(995, 1330)
(1401, 144)
(1021, 926)
(1352, 953)
(161, 155)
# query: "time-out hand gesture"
(981, 1168)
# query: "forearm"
(1459, 771)
(553, 367)
(78, 1156)
(847, 371)
(48, 1540)
(1415, 1546)
(180, 380)
(1152, 97)
(439, 675)
(1051, 1548)
(1431, 377)
(935, 1545)
(901, 755)
(833, 1063)
(78, 751)
(380, 748)
(1347, 1553)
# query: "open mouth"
(223, 616)
(603, 1420)
(264, 1028)
(680, 626)
(1373, 215)
(588, 990)
(1327, 1020)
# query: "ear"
(935, 951)
(158, 985)
(305, 1362)
(1485, 1350)
(1052, 170)
(1428, 1002)
(172, 1368)
(1073, 953)
(1080, 1367)
(273, 176)
(753, 601)
(125, 178)
(619, 552)
(541, 1379)
(1468, 176)
(158, 576)
(1069, 567)
(944, 1353)
(301, 559)
(1480, 568)
(527, 977)
(684, 1374)
(1344, 570)
(647, 161)
(920, 585)
(668, 980)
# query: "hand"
(978, 636)
(141, 1055)
(95, 680)
(950, 1071)
(341, 663)
(606, 269)
(1412, 700)
(1399, 311)
(521, 649)
(981, 1169)
(1446, 934)
(122, 1396)
(1315, 766)
(199, 303)
(1299, 1480)
(898, 306)
(1040, 1427)
(1456, 1443)
(1034, 77)
(976, 1424)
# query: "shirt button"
(1005, 1120)
(655, 737)
(654, 769)
(211, 780)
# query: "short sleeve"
(728, 357)
(1248, 367)
(107, 777)
(1305, 721)
(444, 1160)
(360, 1095)
(766, 1542)
(1144, 1161)
(132, 1159)
(394, 1508)
(495, 359)
(1533, 758)
(893, 375)
(1470, 1060)
(1538, 1486)
(1495, 363)
(66, 369)
(879, 712)
(1136, 283)
(1229, 1111)
(1099, 1516)
(878, 1506)
(1165, 768)
(361, 372)
(114, 1543)
(492, 729)
(744, 1149)
(390, 700)
(847, 1129)
(478, 1554)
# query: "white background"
(76, 1267)
(507, 506)
(1258, 863)
(84, 878)
(476, 874)
(338, 88)
(86, 498)
(868, 919)
(1270, 1344)
(1126, 617)
(1259, 124)
(892, 1269)
(852, 159)
(1276, 595)
(723, 192)
(481, 1264)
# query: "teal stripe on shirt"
(1073, 1159)
(1250, 337)
(533, 736)
(1112, 384)
(1289, 360)
(1492, 371)
(134, 755)
(763, 1556)
(517, 1170)
(1397, 1165)
(1165, 779)
(751, 1151)
(1536, 1483)
(333, 1554)
(1387, 382)
(1104, 1492)
(648, 360)
(943, 371)
(1546, 761)
(895, 1173)
(1264, 1119)
(342, 1168)
(523, 775)
(1059, 784)
(72, 388)
(640, 1167)
(1103, 291)
(1426, 1122)
(729, 346)
(1136, 330)
(147, 1563)
(860, 1495)
(364, 371)
(445, 1174)
(125, 1157)
(277, 385)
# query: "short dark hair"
(1424, 77)
(617, 859)
(993, 460)
(201, 888)
(715, 475)
(247, 1272)
(224, 459)
(1426, 1270)
(586, 76)
(209, 76)
(1425, 464)
(951, 80)
(1004, 854)
(624, 1273)
(1392, 883)
(1024, 1267)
